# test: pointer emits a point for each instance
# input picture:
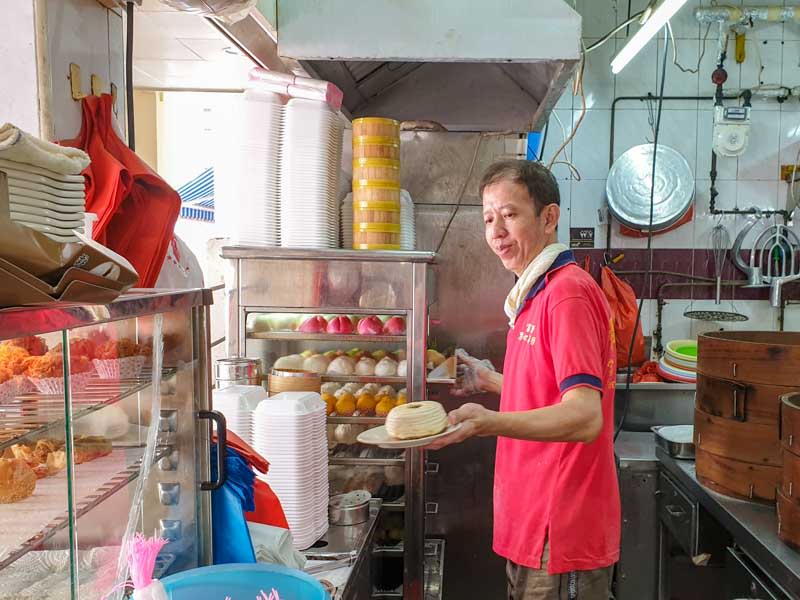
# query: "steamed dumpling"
(292, 361)
(386, 368)
(352, 387)
(387, 390)
(342, 365)
(330, 387)
(370, 388)
(401, 368)
(316, 364)
(365, 367)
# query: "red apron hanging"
(136, 208)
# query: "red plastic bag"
(622, 300)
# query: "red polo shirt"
(564, 492)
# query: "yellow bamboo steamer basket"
(381, 169)
(376, 194)
(376, 236)
(293, 380)
(376, 211)
(378, 126)
(376, 146)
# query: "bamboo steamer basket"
(381, 169)
(737, 440)
(790, 480)
(376, 126)
(742, 401)
(376, 194)
(376, 146)
(790, 422)
(376, 211)
(376, 234)
(738, 479)
(768, 357)
(788, 521)
(293, 380)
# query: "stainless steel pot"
(350, 508)
(237, 370)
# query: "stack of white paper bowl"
(310, 165)
(49, 202)
(289, 431)
(238, 403)
(347, 221)
(256, 221)
(408, 233)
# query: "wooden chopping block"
(751, 402)
(768, 357)
(736, 478)
(788, 521)
(747, 442)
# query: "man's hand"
(475, 420)
(472, 375)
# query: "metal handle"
(222, 438)
(674, 511)
(734, 369)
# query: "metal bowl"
(350, 508)
(629, 183)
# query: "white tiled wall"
(751, 180)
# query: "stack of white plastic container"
(256, 220)
(238, 404)
(408, 232)
(311, 161)
(289, 431)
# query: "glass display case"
(100, 438)
(359, 320)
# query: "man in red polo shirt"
(556, 497)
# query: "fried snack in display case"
(101, 436)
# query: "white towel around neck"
(531, 274)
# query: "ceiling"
(174, 49)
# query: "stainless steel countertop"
(753, 526)
(344, 547)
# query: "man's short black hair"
(542, 186)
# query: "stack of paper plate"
(408, 234)
(679, 362)
(289, 431)
(46, 201)
(310, 166)
(256, 220)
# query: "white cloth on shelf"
(537, 268)
(19, 146)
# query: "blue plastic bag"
(231, 538)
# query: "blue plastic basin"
(242, 582)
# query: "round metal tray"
(629, 183)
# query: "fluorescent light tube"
(660, 16)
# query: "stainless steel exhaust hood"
(470, 65)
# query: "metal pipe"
(746, 15)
